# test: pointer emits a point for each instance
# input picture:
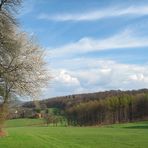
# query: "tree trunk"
(130, 112)
(3, 114)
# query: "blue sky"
(90, 45)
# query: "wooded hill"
(107, 107)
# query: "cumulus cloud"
(97, 75)
(64, 77)
(113, 75)
(97, 14)
(140, 77)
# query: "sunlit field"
(22, 134)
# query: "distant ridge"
(84, 97)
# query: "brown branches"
(9, 4)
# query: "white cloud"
(138, 77)
(64, 77)
(125, 39)
(93, 74)
(97, 75)
(97, 14)
(113, 75)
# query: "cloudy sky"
(91, 45)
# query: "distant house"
(38, 115)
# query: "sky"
(90, 45)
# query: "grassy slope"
(133, 135)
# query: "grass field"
(132, 135)
(24, 122)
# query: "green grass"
(134, 125)
(23, 122)
(132, 135)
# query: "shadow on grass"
(137, 127)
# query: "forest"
(99, 108)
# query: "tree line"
(116, 109)
(107, 107)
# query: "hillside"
(107, 107)
(71, 100)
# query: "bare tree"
(22, 68)
(7, 45)
(23, 73)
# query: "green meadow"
(30, 133)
